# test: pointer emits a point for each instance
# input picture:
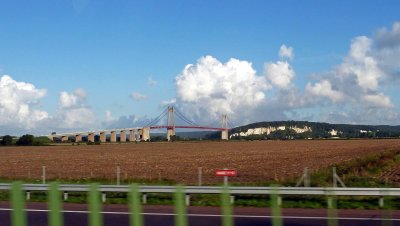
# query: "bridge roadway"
(118, 215)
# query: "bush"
(6, 141)
(25, 140)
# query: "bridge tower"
(170, 123)
(224, 125)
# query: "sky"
(79, 65)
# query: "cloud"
(17, 105)
(138, 96)
(74, 99)
(286, 52)
(352, 91)
(279, 74)
(388, 39)
(78, 118)
(168, 102)
(324, 89)
(73, 113)
(109, 116)
(356, 86)
(361, 65)
(151, 82)
(378, 100)
(211, 88)
(129, 121)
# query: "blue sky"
(90, 57)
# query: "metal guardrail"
(55, 212)
(217, 190)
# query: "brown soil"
(255, 161)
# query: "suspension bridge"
(168, 116)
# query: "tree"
(25, 140)
(7, 140)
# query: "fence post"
(95, 218)
(18, 217)
(118, 175)
(276, 203)
(200, 176)
(54, 202)
(136, 217)
(187, 200)
(180, 209)
(227, 219)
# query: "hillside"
(309, 130)
(305, 129)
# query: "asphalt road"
(118, 215)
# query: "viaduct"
(143, 133)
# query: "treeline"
(25, 140)
(318, 131)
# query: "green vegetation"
(25, 140)
(6, 140)
(360, 172)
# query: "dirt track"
(254, 161)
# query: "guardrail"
(217, 190)
(54, 192)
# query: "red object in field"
(225, 173)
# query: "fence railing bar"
(18, 215)
(55, 206)
(227, 218)
(276, 215)
(135, 206)
(180, 207)
(95, 217)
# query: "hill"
(309, 130)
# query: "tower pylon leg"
(170, 123)
(224, 124)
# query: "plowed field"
(255, 161)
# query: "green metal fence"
(95, 218)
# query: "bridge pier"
(170, 133)
(78, 138)
(103, 137)
(132, 135)
(122, 136)
(144, 134)
(64, 139)
(224, 135)
(113, 136)
(91, 137)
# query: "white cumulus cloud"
(324, 89)
(74, 99)
(73, 113)
(213, 88)
(378, 100)
(17, 104)
(279, 74)
(361, 65)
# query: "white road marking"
(216, 215)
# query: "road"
(118, 215)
